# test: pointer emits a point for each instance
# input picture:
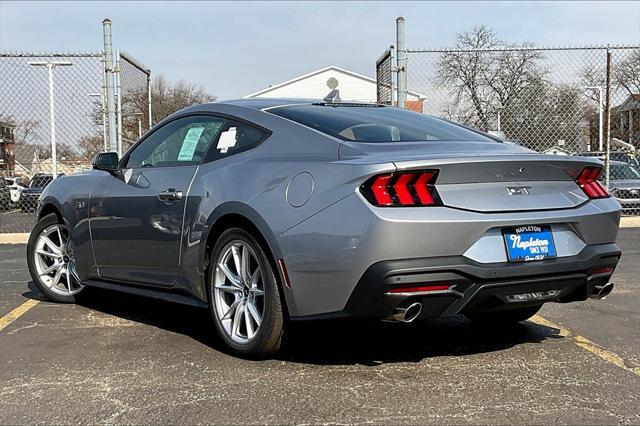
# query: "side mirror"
(107, 161)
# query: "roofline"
(318, 71)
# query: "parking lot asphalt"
(14, 220)
(121, 359)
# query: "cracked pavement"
(122, 359)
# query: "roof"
(632, 103)
(319, 71)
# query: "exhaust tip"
(602, 291)
(407, 313)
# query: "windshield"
(360, 123)
(40, 181)
(621, 172)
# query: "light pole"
(105, 143)
(52, 116)
(599, 89)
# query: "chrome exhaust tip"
(602, 291)
(407, 313)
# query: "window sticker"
(227, 140)
(189, 144)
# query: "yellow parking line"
(17, 313)
(588, 345)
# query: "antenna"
(333, 97)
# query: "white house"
(317, 84)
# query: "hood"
(625, 184)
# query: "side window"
(235, 137)
(182, 142)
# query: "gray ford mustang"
(266, 211)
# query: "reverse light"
(403, 189)
(588, 181)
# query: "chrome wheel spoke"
(248, 322)
(237, 318)
(54, 248)
(233, 279)
(229, 288)
(235, 250)
(51, 268)
(48, 254)
(253, 310)
(231, 310)
(56, 277)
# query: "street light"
(139, 115)
(104, 119)
(52, 119)
(599, 89)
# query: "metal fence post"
(393, 82)
(119, 103)
(149, 99)
(401, 62)
(111, 101)
(607, 127)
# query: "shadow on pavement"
(336, 342)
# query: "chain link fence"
(56, 101)
(551, 100)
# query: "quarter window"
(234, 138)
(181, 142)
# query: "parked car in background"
(623, 156)
(15, 188)
(5, 194)
(624, 184)
(29, 196)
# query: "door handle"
(170, 195)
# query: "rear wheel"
(244, 296)
(51, 261)
(506, 317)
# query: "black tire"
(270, 334)
(510, 316)
(42, 224)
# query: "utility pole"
(109, 71)
(52, 113)
(401, 62)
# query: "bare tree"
(166, 98)
(626, 73)
(485, 74)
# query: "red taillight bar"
(404, 189)
(419, 288)
(588, 181)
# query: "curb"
(23, 238)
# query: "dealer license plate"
(529, 243)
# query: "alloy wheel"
(54, 261)
(239, 291)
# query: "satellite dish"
(333, 97)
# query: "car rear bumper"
(476, 287)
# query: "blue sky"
(236, 48)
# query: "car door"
(136, 217)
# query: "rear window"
(377, 124)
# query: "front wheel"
(244, 297)
(510, 316)
(51, 261)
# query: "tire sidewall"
(272, 321)
(42, 224)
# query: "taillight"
(588, 181)
(404, 189)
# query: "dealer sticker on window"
(529, 243)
